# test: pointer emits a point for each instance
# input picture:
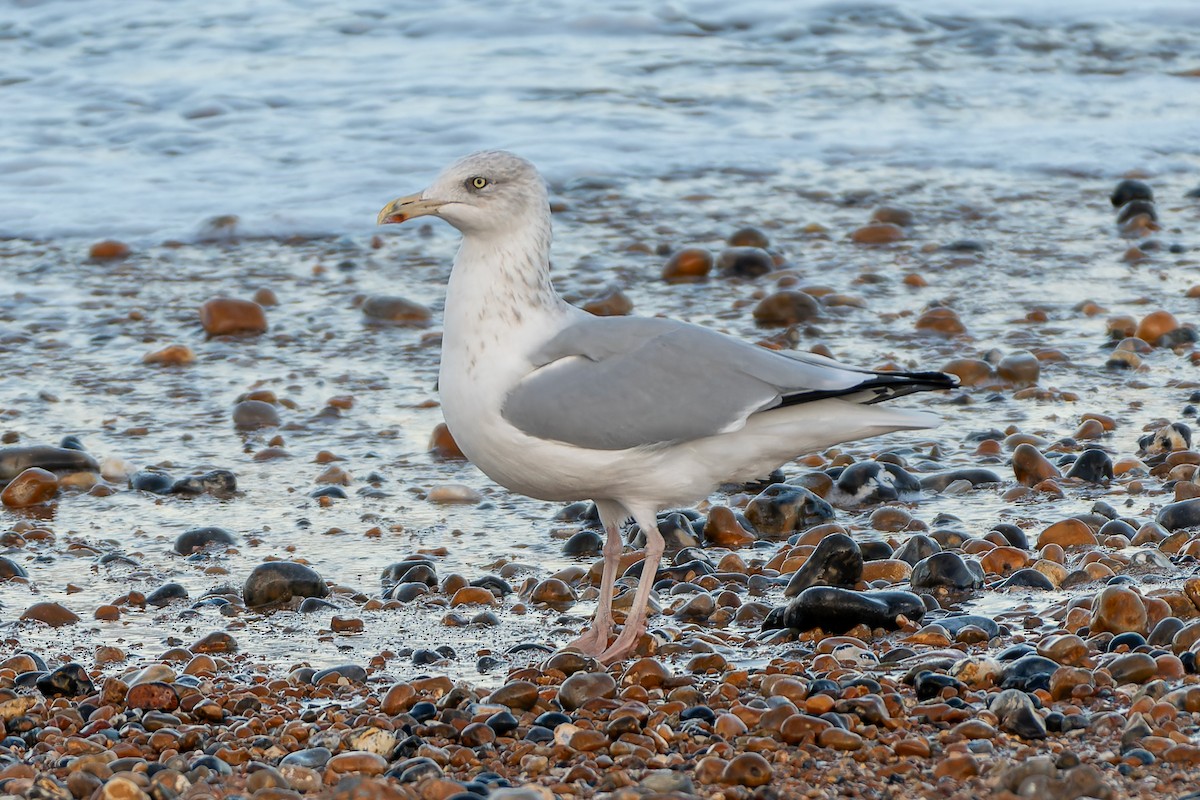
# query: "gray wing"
(611, 383)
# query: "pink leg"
(635, 623)
(594, 640)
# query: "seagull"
(636, 414)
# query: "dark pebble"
(1130, 189)
(836, 561)
(200, 538)
(1028, 673)
(1012, 534)
(946, 571)
(15, 460)
(1027, 578)
(351, 672)
(279, 581)
(837, 610)
(217, 482)
(956, 623)
(587, 543)
(332, 491)
(781, 510)
(874, 482)
(312, 757)
(11, 569)
(1093, 466)
(151, 481)
(916, 549)
(744, 262)
(166, 594)
(928, 684)
(1135, 207)
(1183, 514)
(938, 481)
(69, 680)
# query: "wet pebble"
(33, 486)
(786, 307)
(196, 539)
(396, 311)
(1118, 609)
(581, 687)
(223, 316)
(50, 613)
(1031, 467)
(69, 680)
(688, 265)
(781, 509)
(744, 262)
(836, 561)
(277, 582)
(948, 571)
(250, 415)
(836, 610)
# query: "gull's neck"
(501, 282)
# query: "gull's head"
(483, 193)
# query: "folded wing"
(612, 383)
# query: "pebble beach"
(242, 556)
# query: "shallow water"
(658, 130)
(143, 120)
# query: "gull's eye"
(478, 182)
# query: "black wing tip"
(885, 385)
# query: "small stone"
(278, 582)
(877, 233)
(941, 321)
(748, 237)
(1092, 466)
(223, 316)
(782, 509)
(970, 371)
(250, 415)
(108, 250)
(1066, 533)
(443, 446)
(51, 614)
(837, 610)
(748, 769)
(786, 308)
(1118, 609)
(836, 561)
(453, 493)
(1019, 369)
(722, 529)
(396, 311)
(1180, 515)
(581, 687)
(1031, 467)
(958, 766)
(744, 262)
(517, 695)
(473, 595)
(1133, 668)
(688, 265)
(610, 303)
(1155, 325)
(893, 214)
(173, 355)
(948, 571)
(32, 487)
(346, 625)
(153, 696)
(69, 680)
(191, 541)
(554, 593)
